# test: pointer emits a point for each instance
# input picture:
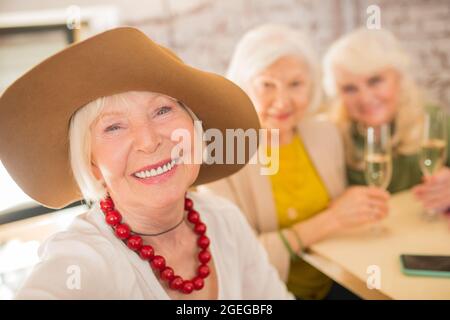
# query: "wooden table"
(346, 257)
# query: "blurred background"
(203, 33)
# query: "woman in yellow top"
(305, 201)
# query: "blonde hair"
(363, 52)
(80, 151)
(262, 46)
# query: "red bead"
(199, 283)
(147, 252)
(203, 242)
(187, 287)
(113, 218)
(203, 271)
(158, 263)
(134, 242)
(193, 217)
(176, 283)
(167, 274)
(188, 204)
(200, 228)
(106, 204)
(123, 231)
(204, 256)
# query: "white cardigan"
(109, 270)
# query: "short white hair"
(80, 143)
(264, 45)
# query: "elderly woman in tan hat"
(368, 76)
(95, 121)
(305, 201)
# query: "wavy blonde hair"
(364, 52)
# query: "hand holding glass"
(378, 158)
(433, 148)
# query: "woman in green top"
(367, 74)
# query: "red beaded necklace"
(157, 262)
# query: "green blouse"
(405, 168)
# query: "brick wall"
(423, 26)
(204, 32)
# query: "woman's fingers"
(373, 204)
(439, 201)
(436, 199)
(440, 178)
(378, 201)
(433, 195)
(379, 209)
(362, 205)
(418, 190)
(433, 186)
(435, 192)
(377, 193)
(437, 183)
(371, 214)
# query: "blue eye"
(163, 110)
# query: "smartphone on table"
(425, 265)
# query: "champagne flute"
(378, 160)
(433, 148)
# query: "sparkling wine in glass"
(378, 159)
(433, 148)
(378, 170)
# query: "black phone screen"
(422, 262)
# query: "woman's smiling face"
(281, 93)
(370, 99)
(131, 149)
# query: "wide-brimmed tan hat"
(36, 109)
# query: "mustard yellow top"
(300, 194)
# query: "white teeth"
(140, 175)
(154, 172)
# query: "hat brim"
(36, 109)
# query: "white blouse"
(88, 262)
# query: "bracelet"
(302, 247)
(294, 257)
